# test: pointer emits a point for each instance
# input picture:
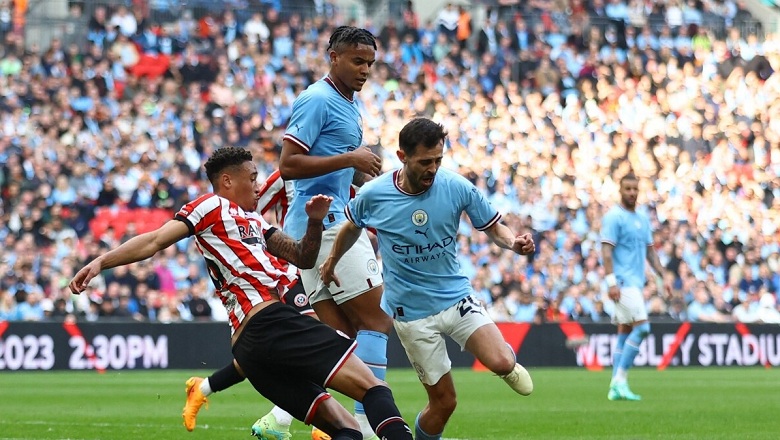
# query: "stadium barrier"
(130, 345)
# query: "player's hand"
(317, 208)
(81, 280)
(327, 272)
(524, 244)
(364, 160)
(614, 293)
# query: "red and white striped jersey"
(233, 243)
(275, 196)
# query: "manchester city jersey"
(324, 122)
(629, 232)
(418, 239)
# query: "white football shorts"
(424, 342)
(358, 270)
(631, 307)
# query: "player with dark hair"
(274, 197)
(626, 242)
(237, 248)
(321, 151)
(416, 212)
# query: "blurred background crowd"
(548, 103)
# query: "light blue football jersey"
(418, 239)
(630, 234)
(324, 122)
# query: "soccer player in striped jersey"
(237, 247)
(322, 150)
(416, 212)
(275, 195)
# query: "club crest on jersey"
(301, 300)
(419, 217)
(373, 267)
(233, 211)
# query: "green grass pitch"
(678, 403)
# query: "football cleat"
(267, 428)
(317, 434)
(613, 394)
(625, 392)
(195, 399)
(519, 380)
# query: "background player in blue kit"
(626, 241)
(416, 211)
(321, 152)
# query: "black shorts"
(297, 298)
(290, 358)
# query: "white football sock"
(365, 427)
(282, 417)
(205, 387)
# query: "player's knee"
(445, 406)
(502, 364)
(377, 321)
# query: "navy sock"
(225, 378)
(384, 416)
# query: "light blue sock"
(372, 350)
(621, 341)
(419, 434)
(631, 348)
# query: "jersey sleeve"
(481, 213)
(271, 192)
(609, 228)
(200, 214)
(357, 210)
(309, 113)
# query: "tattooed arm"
(302, 253)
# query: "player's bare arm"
(302, 253)
(345, 239)
(137, 248)
(655, 263)
(502, 236)
(295, 163)
(609, 269)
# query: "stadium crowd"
(547, 103)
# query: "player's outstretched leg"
(273, 426)
(487, 344)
